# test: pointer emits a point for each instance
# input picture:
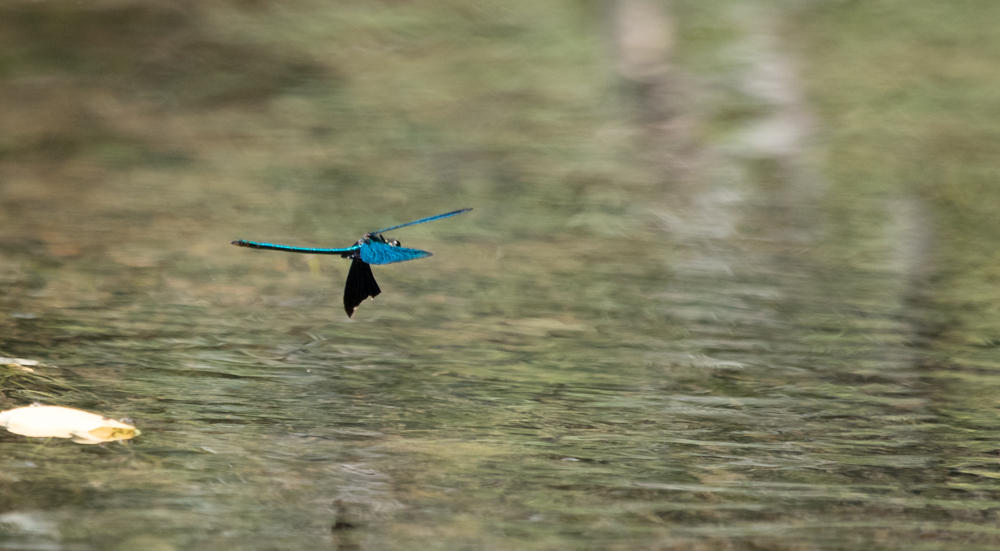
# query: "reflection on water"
(597, 357)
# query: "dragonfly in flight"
(372, 248)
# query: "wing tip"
(354, 309)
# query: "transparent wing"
(376, 252)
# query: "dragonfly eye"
(395, 243)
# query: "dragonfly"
(372, 248)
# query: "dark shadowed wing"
(376, 252)
(361, 284)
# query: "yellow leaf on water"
(59, 422)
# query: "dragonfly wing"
(376, 252)
(422, 220)
(361, 284)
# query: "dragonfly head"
(394, 242)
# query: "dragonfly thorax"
(369, 237)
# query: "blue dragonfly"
(372, 248)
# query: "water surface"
(632, 342)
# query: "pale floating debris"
(24, 315)
(19, 363)
(59, 422)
